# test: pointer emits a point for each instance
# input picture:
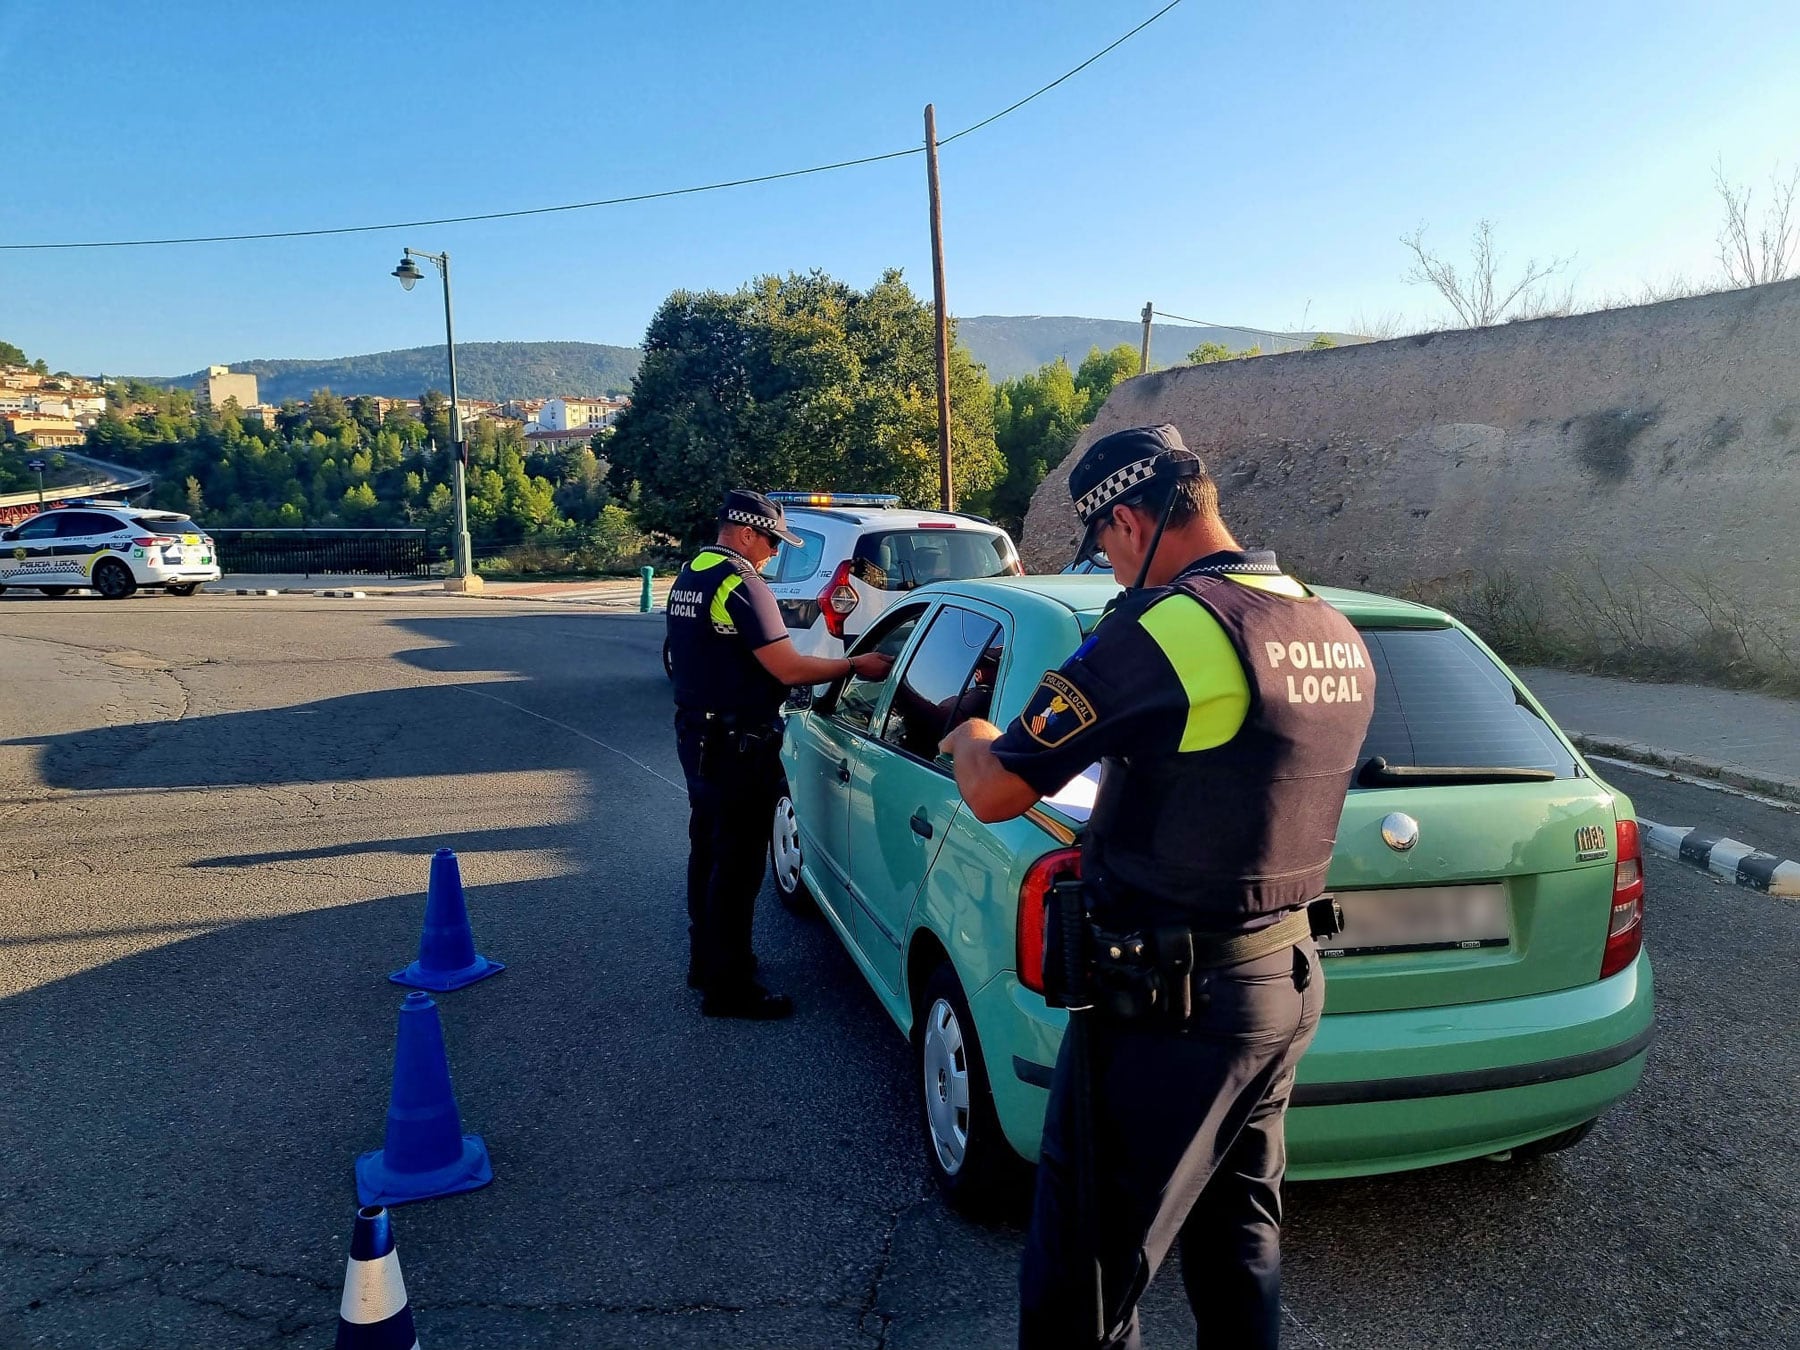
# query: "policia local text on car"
(733, 664)
(1186, 952)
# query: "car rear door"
(903, 794)
(1466, 886)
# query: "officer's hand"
(871, 666)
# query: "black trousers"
(1190, 1152)
(732, 782)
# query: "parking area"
(215, 821)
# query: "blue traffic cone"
(447, 956)
(374, 1314)
(425, 1154)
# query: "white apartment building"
(572, 414)
(219, 384)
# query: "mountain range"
(1008, 345)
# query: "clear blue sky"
(1250, 163)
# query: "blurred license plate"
(1420, 919)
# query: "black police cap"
(1124, 466)
(744, 507)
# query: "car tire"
(113, 580)
(973, 1165)
(1556, 1143)
(54, 591)
(185, 589)
(785, 859)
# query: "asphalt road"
(215, 819)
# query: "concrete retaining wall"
(1647, 445)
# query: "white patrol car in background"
(109, 547)
(860, 553)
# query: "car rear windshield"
(900, 560)
(168, 525)
(1439, 701)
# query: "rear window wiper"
(1377, 772)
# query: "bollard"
(644, 597)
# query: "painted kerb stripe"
(1743, 864)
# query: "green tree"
(11, 355)
(1323, 342)
(794, 382)
(1211, 353)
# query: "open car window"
(948, 679)
(856, 704)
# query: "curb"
(344, 595)
(1768, 784)
(1738, 862)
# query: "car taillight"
(154, 541)
(837, 600)
(1625, 934)
(1034, 900)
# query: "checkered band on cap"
(767, 524)
(1115, 485)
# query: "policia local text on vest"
(733, 664)
(1226, 705)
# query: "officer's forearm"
(793, 667)
(992, 791)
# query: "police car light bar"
(835, 498)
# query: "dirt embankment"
(1633, 469)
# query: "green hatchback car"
(1489, 994)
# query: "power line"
(607, 201)
(1078, 69)
(1235, 327)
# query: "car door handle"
(843, 771)
(920, 825)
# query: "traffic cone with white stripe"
(374, 1314)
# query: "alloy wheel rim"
(945, 1064)
(786, 837)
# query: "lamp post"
(462, 576)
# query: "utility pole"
(946, 492)
(1144, 356)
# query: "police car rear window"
(1439, 701)
(901, 560)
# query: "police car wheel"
(55, 590)
(785, 859)
(973, 1165)
(114, 580)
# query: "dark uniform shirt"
(720, 613)
(1219, 790)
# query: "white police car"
(860, 554)
(109, 547)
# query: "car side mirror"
(825, 696)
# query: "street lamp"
(462, 576)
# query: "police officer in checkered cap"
(1224, 766)
(733, 663)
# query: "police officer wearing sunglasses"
(733, 664)
(1186, 952)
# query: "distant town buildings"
(571, 414)
(219, 384)
(48, 432)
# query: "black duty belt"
(1149, 973)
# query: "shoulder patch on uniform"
(1057, 711)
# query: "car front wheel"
(114, 580)
(784, 857)
(972, 1163)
